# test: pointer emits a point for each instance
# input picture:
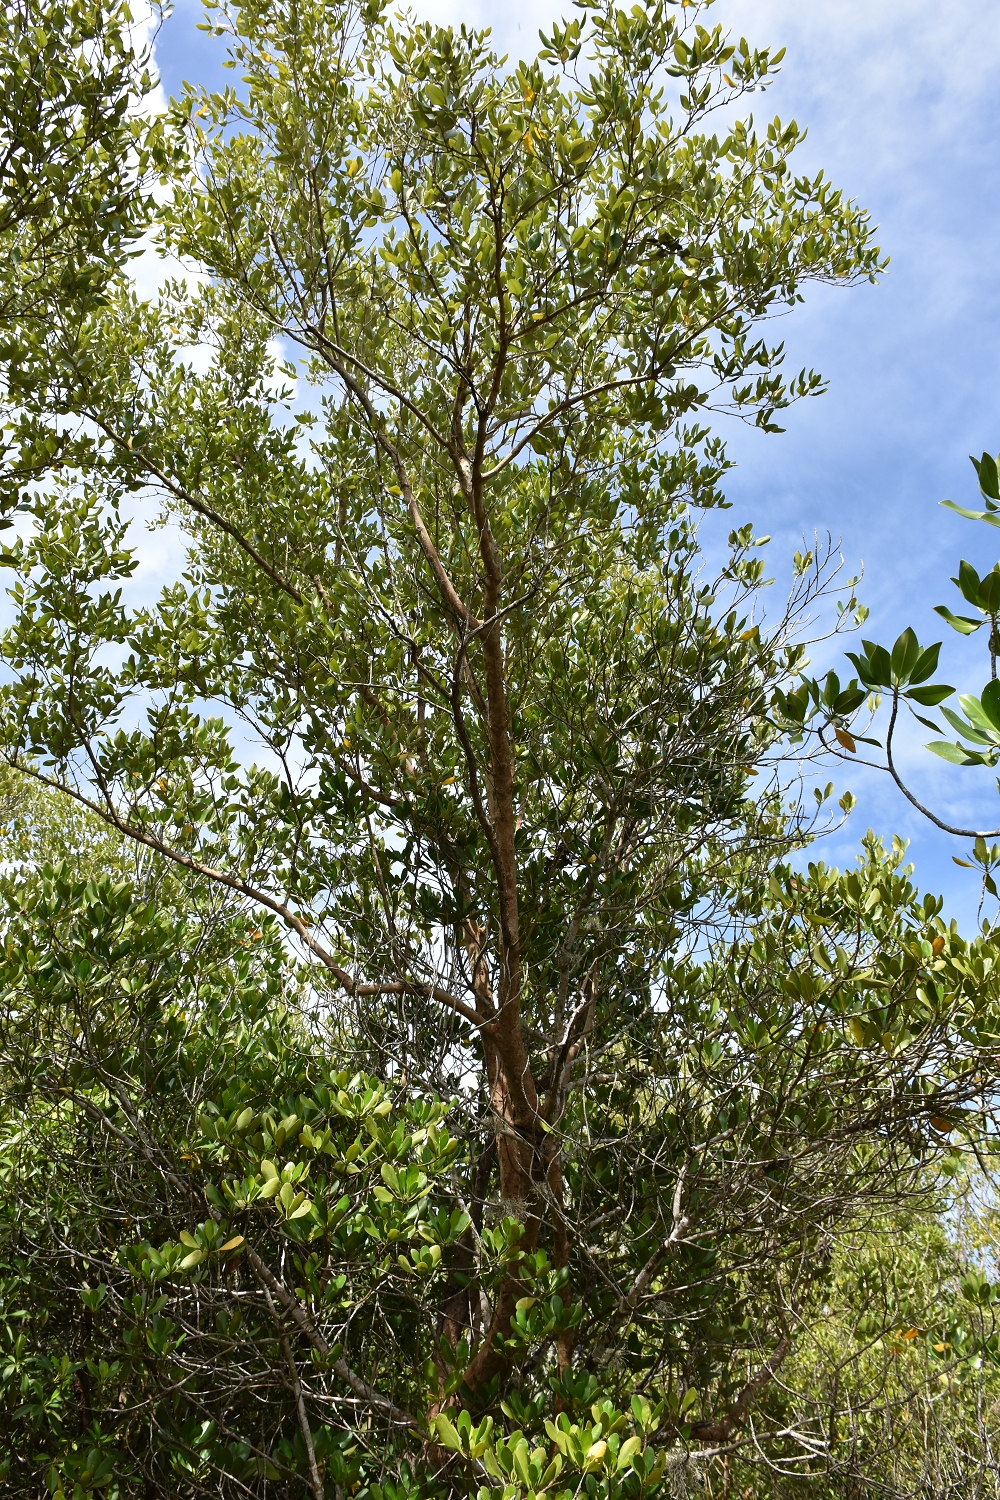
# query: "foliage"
(74, 158)
(167, 1269)
(900, 678)
(902, 1357)
(456, 1087)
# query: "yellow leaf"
(845, 739)
(233, 1244)
(857, 1030)
(628, 1451)
(912, 1333)
(940, 1123)
(937, 945)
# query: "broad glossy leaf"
(874, 667)
(990, 701)
(957, 754)
(905, 655)
(926, 664)
(968, 582)
(931, 695)
(962, 623)
(849, 700)
(982, 734)
(974, 711)
(989, 592)
(972, 515)
(986, 472)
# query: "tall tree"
(449, 588)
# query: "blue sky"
(903, 111)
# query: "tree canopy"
(430, 1062)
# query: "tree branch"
(107, 813)
(630, 1300)
(962, 833)
(719, 1432)
(185, 496)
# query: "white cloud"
(143, 34)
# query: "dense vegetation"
(433, 1059)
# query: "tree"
(577, 1077)
(184, 1308)
(907, 1310)
(73, 158)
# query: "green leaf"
(975, 713)
(926, 664)
(446, 1432)
(986, 472)
(968, 582)
(905, 655)
(962, 623)
(874, 667)
(972, 515)
(980, 736)
(989, 592)
(849, 700)
(931, 695)
(957, 754)
(628, 1451)
(990, 703)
